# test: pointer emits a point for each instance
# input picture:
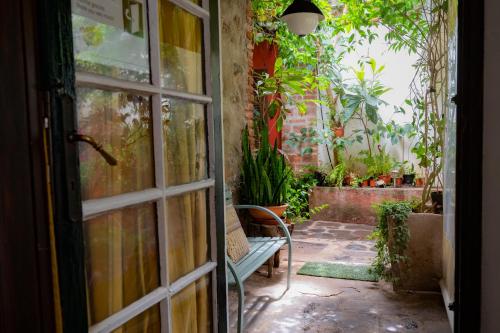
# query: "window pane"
(192, 308)
(110, 38)
(185, 141)
(187, 233)
(181, 48)
(121, 123)
(121, 257)
(147, 322)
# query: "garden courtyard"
(317, 304)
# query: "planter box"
(425, 250)
(354, 205)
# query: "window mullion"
(192, 8)
(155, 58)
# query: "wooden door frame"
(26, 293)
(468, 224)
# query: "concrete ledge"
(425, 251)
(354, 205)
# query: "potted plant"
(419, 180)
(379, 165)
(337, 175)
(409, 174)
(365, 182)
(265, 178)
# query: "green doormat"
(338, 271)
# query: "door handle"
(98, 147)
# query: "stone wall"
(237, 96)
(355, 205)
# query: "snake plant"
(265, 175)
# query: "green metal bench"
(262, 250)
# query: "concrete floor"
(315, 304)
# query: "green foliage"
(378, 164)
(265, 176)
(337, 175)
(298, 199)
(362, 100)
(287, 87)
(391, 244)
(303, 140)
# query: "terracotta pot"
(419, 182)
(264, 217)
(347, 180)
(399, 181)
(339, 132)
(365, 183)
(386, 178)
(373, 182)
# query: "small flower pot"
(399, 182)
(409, 179)
(347, 180)
(386, 178)
(373, 182)
(365, 183)
(419, 182)
(339, 132)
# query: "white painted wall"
(397, 75)
(490, 309)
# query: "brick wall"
(293, 124)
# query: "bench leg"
(277, 259)
(270, 266)
(241, 304)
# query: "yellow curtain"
(182, 64)
(121, 247)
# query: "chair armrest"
(276, 217)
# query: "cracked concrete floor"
(315, 304)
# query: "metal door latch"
(98, 147)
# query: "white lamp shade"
(302, 23)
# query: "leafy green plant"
(287, 88)
(378, 164)
(362, 100)
(391, 243)
(298, 209)
(265, 175)
(337, 175)
(422, 28)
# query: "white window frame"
(160, 193)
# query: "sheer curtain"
(121, 248)
(186, 161)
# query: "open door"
(135, 122)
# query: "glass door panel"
(185, 136)
(187, 233)
(111, 38)
(122, 123)
(192, 308)
(147, 322)
(121, 256)
(181, 49)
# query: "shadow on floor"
(325, 305)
